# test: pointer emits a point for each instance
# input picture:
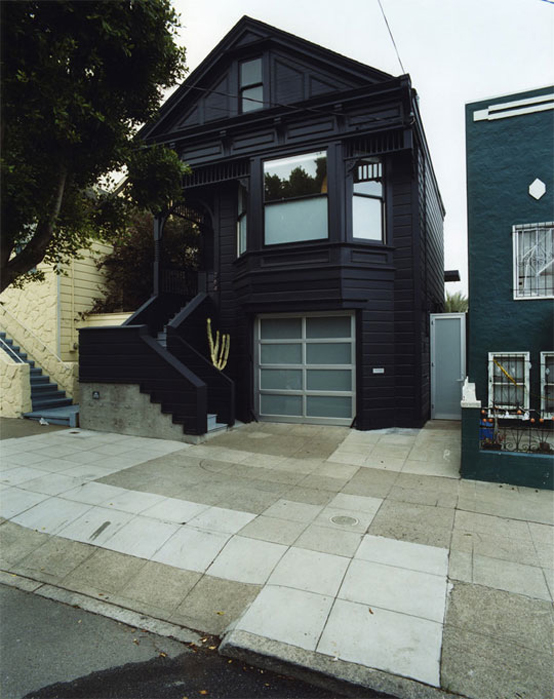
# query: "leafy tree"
(78, 79)
(129, 267)
(455, 303)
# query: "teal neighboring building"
(508, 403)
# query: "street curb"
(346, 677)
(105, 609)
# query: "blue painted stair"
(48, 402)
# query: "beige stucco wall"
(43, 317)
(35, 306)
(15, 387)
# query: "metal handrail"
(9, 350)
(36, 337)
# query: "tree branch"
(33, 252)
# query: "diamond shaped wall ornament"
(537, 188)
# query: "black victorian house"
(320, 257)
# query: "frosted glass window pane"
(372, 187)
(242, 234)
(280, 405)
(281, 354)
(289, 379)
(329, 380)
(329, 406)
(367, 218)
(329, 326)
(336, 353)
(252, 98)
(251, 72)
(290, 221)
(281, 328)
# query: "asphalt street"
(49, 650)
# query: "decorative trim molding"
(541, 103)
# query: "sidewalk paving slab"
(356, 556)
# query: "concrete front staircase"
(48, 402)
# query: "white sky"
(456, 51)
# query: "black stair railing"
(128, 354)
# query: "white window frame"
(547, 382)
(509, 410)
(517, 231)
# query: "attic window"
(251, 85)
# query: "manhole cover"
(344, 520)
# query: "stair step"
(48, 395)
(68, 415)
(43, 387)
(51, 403)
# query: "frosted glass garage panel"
(329, 353)
(329, 380)
(329, 406)
(281, 328)
(289, 379)
(283, 353)
(290, 221)
(271, 404)
(328, 326)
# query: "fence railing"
(531, 433)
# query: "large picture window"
(509, 383)
(368, 200)
(534, 261)
(295, 195)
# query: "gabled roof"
(332, 71)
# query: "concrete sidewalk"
(355, 555)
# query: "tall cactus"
(219, 350)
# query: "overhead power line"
(391, 36)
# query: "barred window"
(534, 261)
(509, 382)
(547, 384)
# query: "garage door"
(305, 368)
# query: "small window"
(509, 384)
(295, 194)
(242, 219)
(368, 200)
(251, 86)
(547, 384)
(534, 261)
